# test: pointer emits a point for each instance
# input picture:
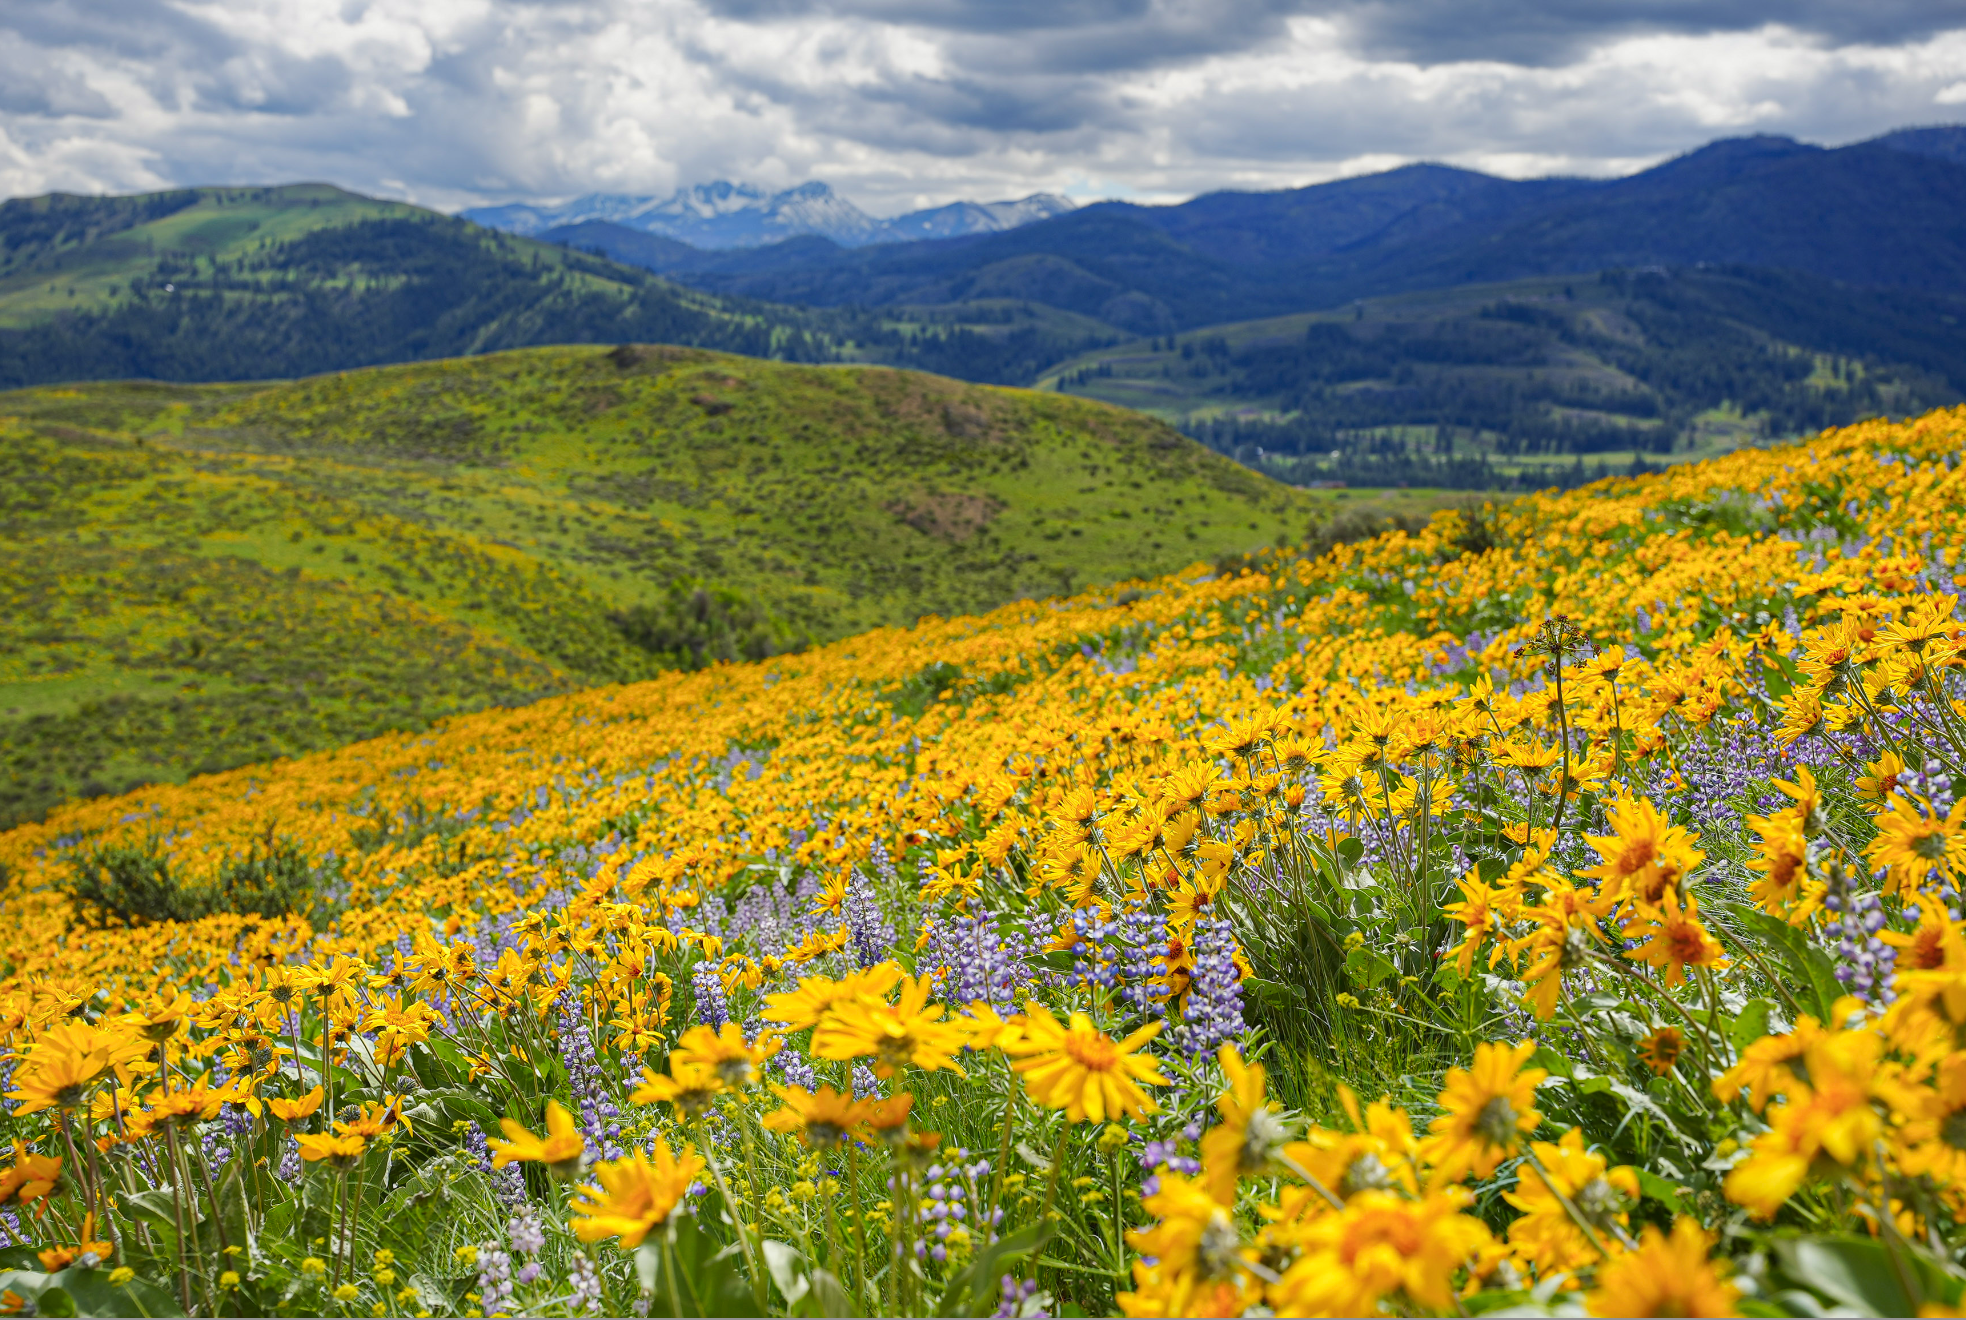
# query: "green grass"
(200, 576)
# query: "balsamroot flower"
(690, 1085)
(1645, 854)
(724, 1052)
(1830, 1117)
(822, 1118)
(1251, 1131)
(1547, 1233)
(1913, 842)
(1487, 1110)
(339, 1151)
(1675, 937)
(1660, 1050)
(560, 1150)
(635, 1195)
(1201, 1266)
(87, 1253)
(1081, 1070)
(1665, 1276)
(816, 995)
(1381, 1245)
(908, 1031)
(30, 1178)
(289, 1111)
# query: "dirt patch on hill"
(948, 516)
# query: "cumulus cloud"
(902, 103)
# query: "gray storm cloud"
(905, 102)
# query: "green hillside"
(202, 576)
(1484, 385)
(209, 284)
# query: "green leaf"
(1860, 1273)
(1772, 674)
(1637, 1102)
(1367, 967)
(1038, 1159)
(1554, 1062)
(94, 1294)
(648, 1264)
(1659, 1189)
(1812, 976)
(973, 1291)
(711, 1278)
(784, 1260)
(1750, 1024)
(55, 1301)
(233, 1222)
(1351, 850)
(1275, 996)
(828, 1297)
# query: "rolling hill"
(1522, 382)
(198, 577)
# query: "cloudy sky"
(906, 103)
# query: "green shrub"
(694, 626)
(135, 884)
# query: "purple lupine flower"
(712, 1010)
(600, 1116)
(586, 1283)
(494, 1280)
(794, 1067)
(525, 1232)
(1143, 942)
(290, 1169)
(1864, 962)
(1214, 1011)
(1020, 1300)
(982, 963)
(869, 931)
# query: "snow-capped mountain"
(730, 215)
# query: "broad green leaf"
(1750, 1024)
(1367, 967)
(1274, 995)
(94, 1294)
(1859, 1273)
(784, 1261)
(1659, 1189)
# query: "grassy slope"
(200, 576)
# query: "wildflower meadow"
(1554, 910)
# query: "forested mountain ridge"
(256, 283)
(1885, 212)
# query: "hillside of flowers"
(1555, 911)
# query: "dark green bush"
(134, 884)
(693, 626)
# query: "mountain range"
(1802, 286)
(739, 215)
(1887, 212)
